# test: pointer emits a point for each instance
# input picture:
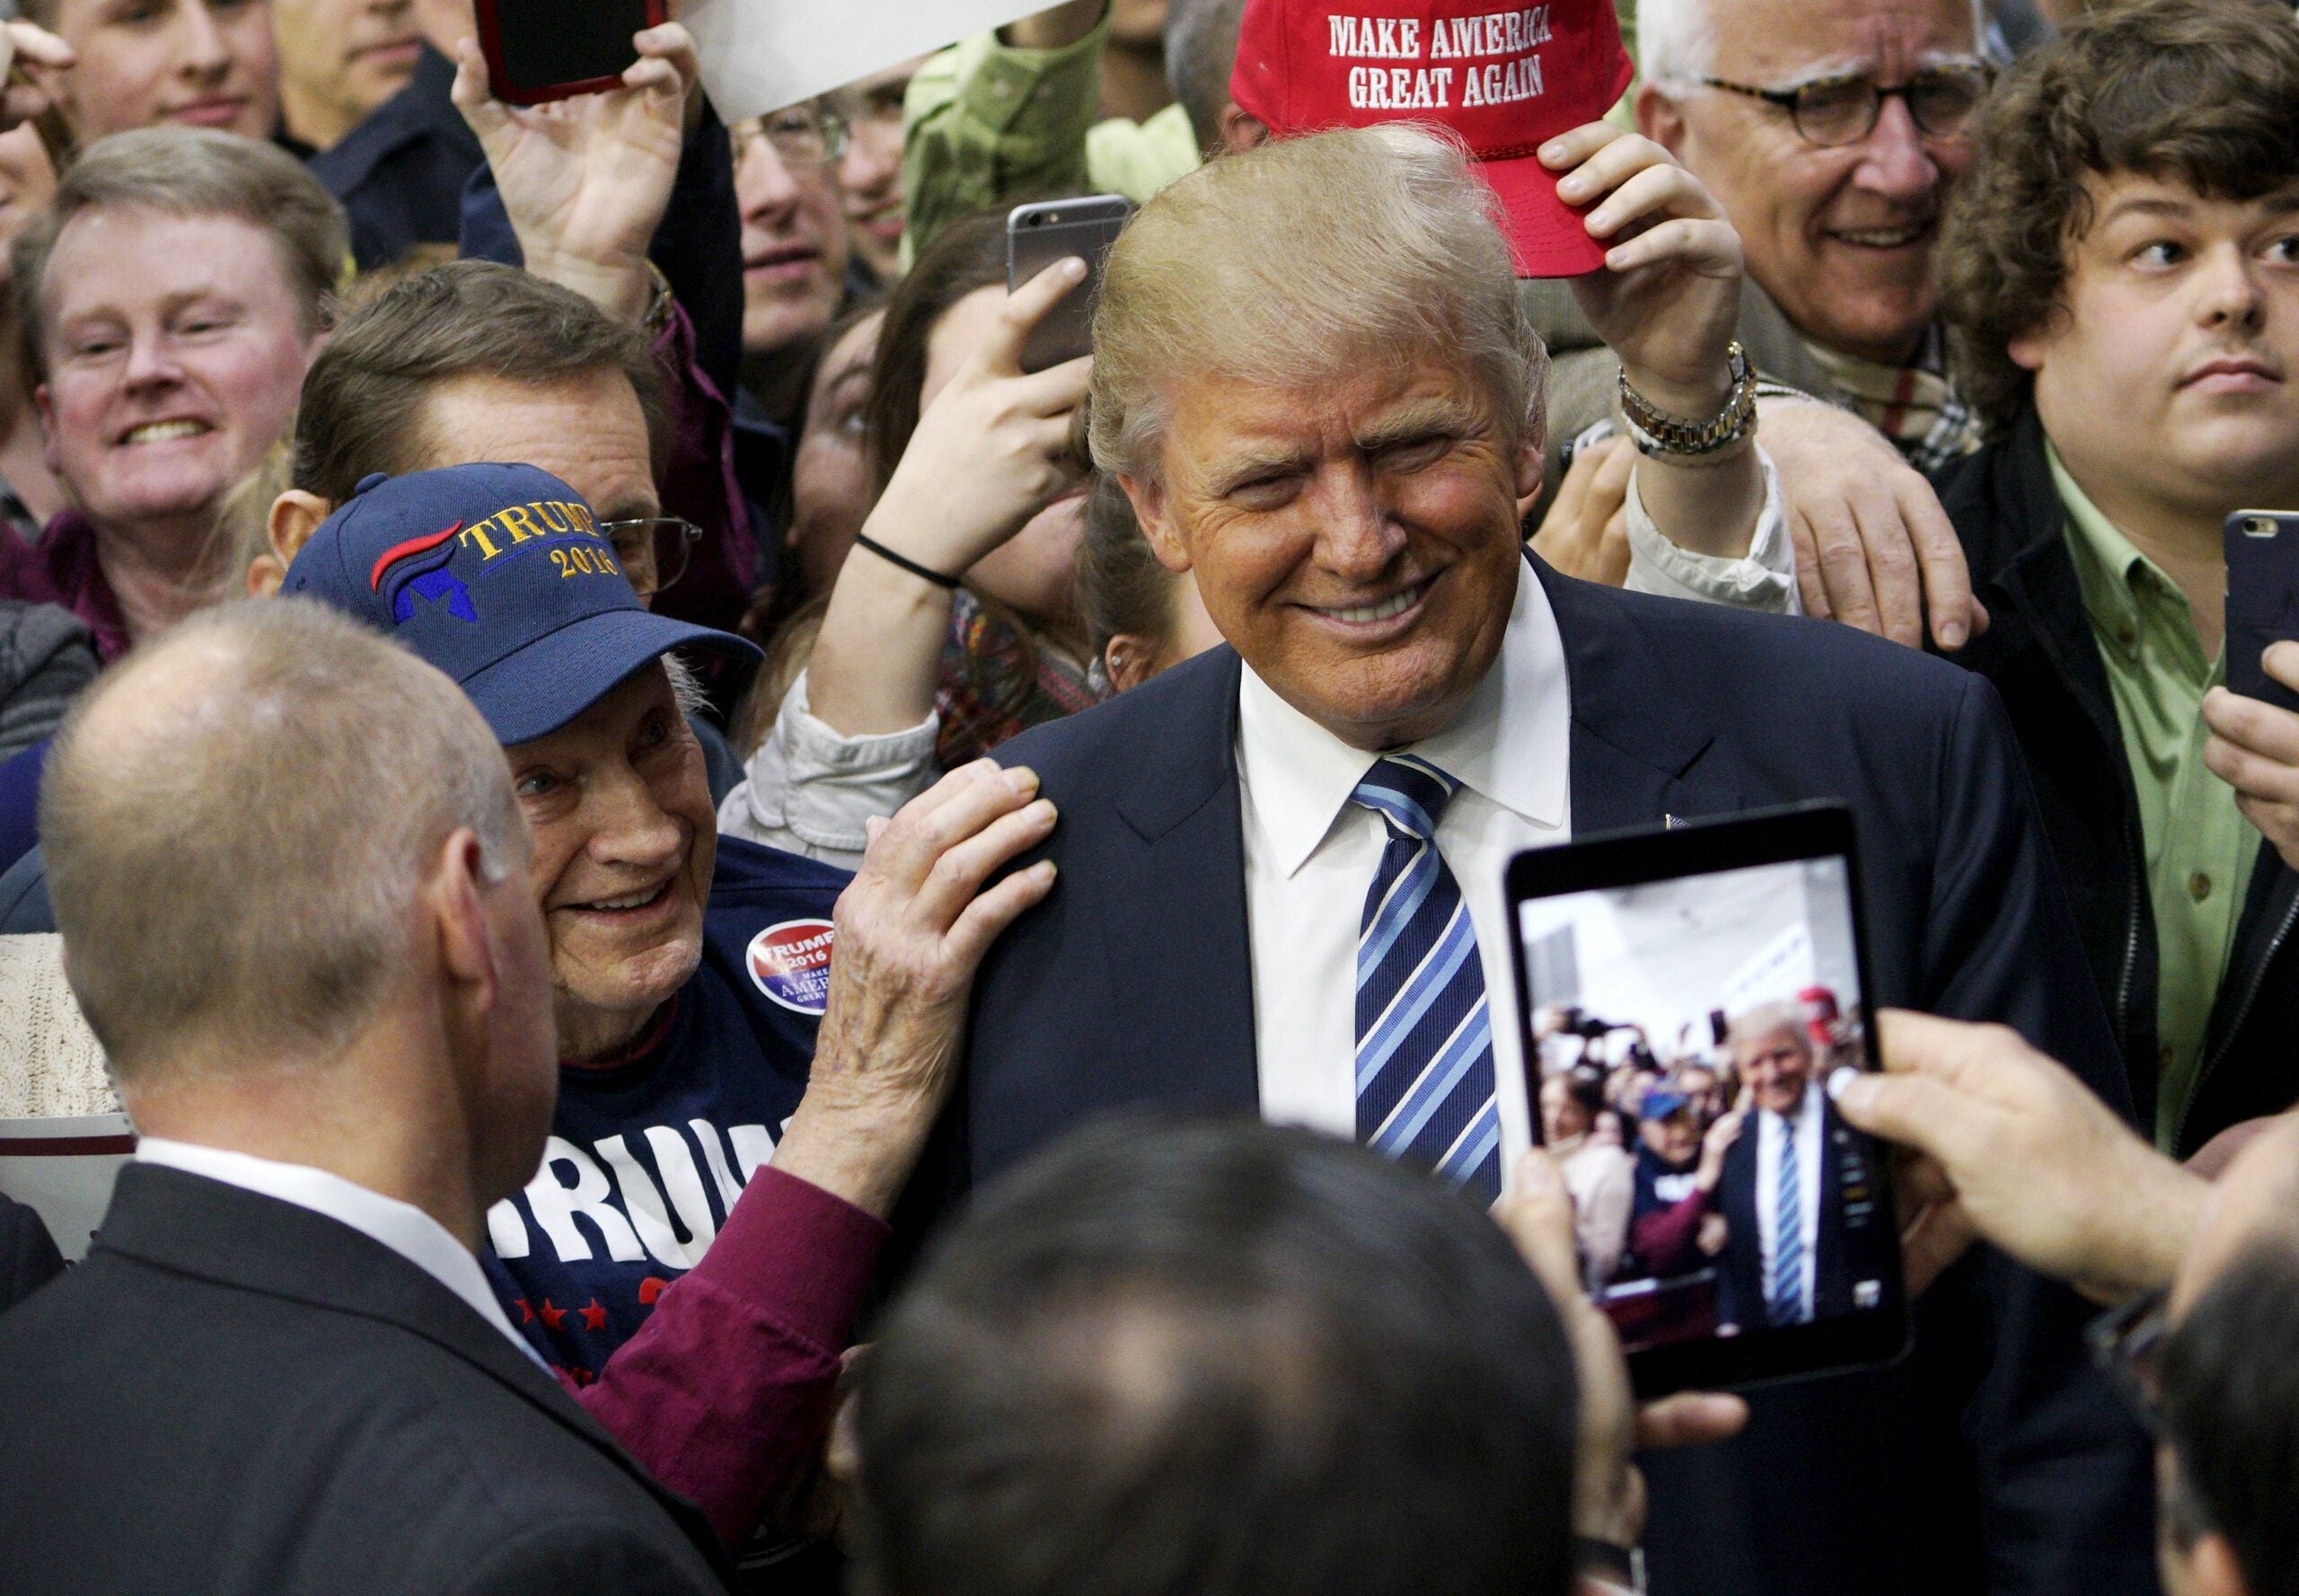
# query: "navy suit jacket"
(1994, 1459)
(240, 1396)
(1844, 1251)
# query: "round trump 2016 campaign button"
(790, 963)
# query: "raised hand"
(1669, 292)
(993, 448)
(26, 51)
(585, 180)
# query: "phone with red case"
(539, 50)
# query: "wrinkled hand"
(1607, 1491)
(911, 928)
(1873, 548)
(2009, 1147)
(993, 449)
(1669, 292)
(26, 51)
(1585, 532)
(2254, 748)
(586, 180)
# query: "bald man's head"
(237, 822)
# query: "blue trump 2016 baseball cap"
(498, 574)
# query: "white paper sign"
(65, 1170)
(759, 56)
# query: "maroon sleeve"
(1663, 1238)
(699, 484)
(726, 1393)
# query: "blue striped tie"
(1786, 1296)
(1424, 1032)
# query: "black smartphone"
(2262, 598)
(1038, 235)
(549, 49)
(1760, 1242)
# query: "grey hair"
(684, 686)
(1201, 52)
(238, 821)
(1294, 264)
(1675, 40)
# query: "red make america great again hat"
(1505, 80)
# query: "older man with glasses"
(1832, 132)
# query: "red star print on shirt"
(595, 1318)
(526, 1314)
(551, 1315)
(652, 1287)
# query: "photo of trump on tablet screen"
(1689, 1035)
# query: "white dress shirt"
(1809, 1127)
(1311, 854)
(409, 1231)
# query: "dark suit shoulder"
(345, 1450)
(1106, 744)
(576, 1553)
(1785, 666)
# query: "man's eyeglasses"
(2127, 1345)
(653, 551)
(803, 136)
(1836, 111)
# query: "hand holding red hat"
(1669, 294)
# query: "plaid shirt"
(1914, 406)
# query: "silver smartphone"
(1038, 235)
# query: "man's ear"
(2027, 350)
(1241, 130)
(1152, 507)
(296, 514)
(457, 898)
(1661, 120)
(1532, 466)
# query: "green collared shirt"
(2200, 847)
(986, 125)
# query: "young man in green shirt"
(2121, 273)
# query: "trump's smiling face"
(1357, 543)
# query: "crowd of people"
(751, 947)
(1661, 1151)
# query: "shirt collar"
(2110, 570)
(409, 1231)
(1301, 775)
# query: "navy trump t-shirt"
(647, 1155)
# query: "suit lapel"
(1640, 756)
(214, 1232)
(1179, 938)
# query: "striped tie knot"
(1408, 792)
